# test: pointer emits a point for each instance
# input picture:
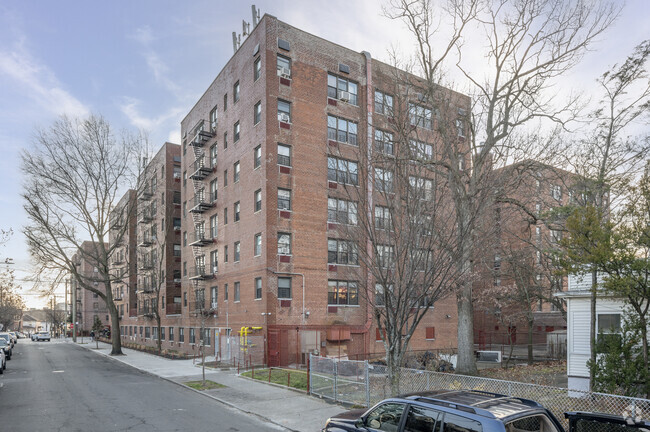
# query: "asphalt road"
(57, 386)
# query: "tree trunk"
(530, 342)
(159, 342)
(466, 363)
(592, 327)
(116, 341)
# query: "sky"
(143, 64)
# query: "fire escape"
(203, 201)
(146, 239)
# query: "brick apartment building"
(527, 231)
(89, 305)
(150, 259)
(256, 149)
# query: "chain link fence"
(363, 384)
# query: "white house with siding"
(609, 311)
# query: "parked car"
(33, 336)
(6, 336)
(471, 411)
(6, 348)
(21, 335)
(43, 336)
(3, 361)
(14, 335)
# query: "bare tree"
(528, 43)
(608, 159)
(73, 176)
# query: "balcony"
(201, 204)
(145, 264)
(147, 311)
(199, 238)
(117, 261)
(146, 194)
(146, 241)
(199, 273)
(199, 169)
(173, 309)
(145, 217)
(201, 138)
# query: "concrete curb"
(224, 402)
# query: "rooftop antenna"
(235, 41)
(246, 28)
(256, 15)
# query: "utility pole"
(65, 311)
(74, 310)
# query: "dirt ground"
(545, 373)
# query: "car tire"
(2, 369)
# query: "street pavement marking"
(58, 371)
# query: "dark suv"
(472, 411)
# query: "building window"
(284, 66)
(609, 328)
(385, 255)
(237, 211)
(225, 216)
(430, 333)
(342, 293)
(213, 155)
(384, 142)
(284, 155)
(258, 200)
(235, 90)
(284, 199)
(284, 111)
(214, 291)
(257, 113)
(225, 102)
(460, 128)
(342, 171)
(184, 268)
(225, 140)
(342, 252)
(213, 119)
(147, 332)
(538, 234)
(420, 116)
(556, 236)
(235, 131)
(177, 250)
(383, 180)
(205, 337)
(236, 291)
(257, 68)
(341, 130)
(237, 251)
(556, 192)
(192, 336)
(184, 238)
(341, 211)
(421, 188)
(382, 218)
(214, 187)
(284, 244)
(258, 288)
(181, 334)
(171, 334)
(225, 253)
(184, 178)
(257, 157)
(421, 150)
(383, 103)
(284, 288)
(225, 178)
(257, 245)
(176, 173)
(225, 292)
(342, 89)
(214, 261)
(235, 174)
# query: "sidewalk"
(289, 409)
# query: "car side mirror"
(360, 423)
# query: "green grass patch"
(198, 385)
(286, 377)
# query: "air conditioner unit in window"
(177, 280)
(177, 175)
(177, 228)
(344, 96)
(284, 72)
(284, 117)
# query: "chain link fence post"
(336, 374)
(367, 384)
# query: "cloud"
(40, 82)
(145, 37)
(131, 109)
(174, 136)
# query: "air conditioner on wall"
(284, 72)
(344, 96)
(284, 117)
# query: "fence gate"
(278, 348)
